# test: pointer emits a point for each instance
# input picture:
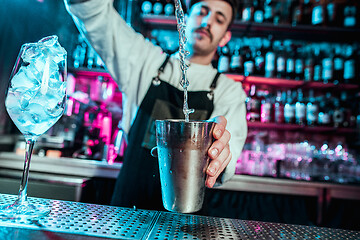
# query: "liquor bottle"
(290, 60)
(249, 63)
(338, 72)
(280, 60)
(332, 13)
(300, 108)
(297, 11)
(318, 14)
(299, 64)
(224, 59)
(247, 12)
(349, 109)
(338, 116)
(146, 7)
(169, 8)
(269, 59)
(157, 7)
(307, 12)
(279, 107)
(327, 65)
(258, 11)
(269, 11)
(349, 65)
(259, 57)
(317, 63)
(237, 61)
(312, 109)
(308, 65)
(325, 110)
(253, 105)
(266, 108)
(350, 14)
(289, 108)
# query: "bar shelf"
(314, 33)
(295, 127)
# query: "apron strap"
(156, 80)
(210, 95)
(213, 84)
(162, 67)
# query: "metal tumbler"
(183, 159)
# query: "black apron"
(138, 183)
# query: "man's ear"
(226, 38)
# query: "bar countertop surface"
(73, 220)
(92, 168)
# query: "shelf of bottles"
(311, 19)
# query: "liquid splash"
(180, 19)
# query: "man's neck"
(203, 60)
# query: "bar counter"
(73, 220)
(85, 169)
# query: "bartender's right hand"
(219, 151)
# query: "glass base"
(23, 211)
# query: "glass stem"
(22, 196)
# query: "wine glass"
(35, 101)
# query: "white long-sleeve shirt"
(132, 61)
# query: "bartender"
(150, 82)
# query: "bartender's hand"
(219, 151)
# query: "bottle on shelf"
(224, 59)
(338, 116)
(236, 61)
(266, 107)
(269, 58)
(269, 11)
(299, 63)
(318, 13)
(327, 65)
(351, 13)
(332, 13)
(338, 72)
(280, 59)
(308, 65)
(317, 63)
(146, 7)
(258, 11)
(290, 60)
(253, 105)
(349, 65)
(307, 12)
(325, 110)
(289, 108)
(247, 11)
(169, 8)
(279, 107)
(297, 12)
(249, 63)
(300, 108)
(259, 58)
(157, 7)
(312, 109)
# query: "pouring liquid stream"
(180, 19)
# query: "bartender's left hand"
(219, 151)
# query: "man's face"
(207, 26)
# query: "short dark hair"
(233, 4)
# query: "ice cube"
(54, 48)
(55, 96)
(25, 78)
(37, 113)
(31, 52)
(12, 101)
(26, 97)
